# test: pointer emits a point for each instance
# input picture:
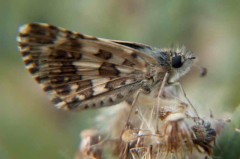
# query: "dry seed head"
(139, 138)
(176, 136)
(204, 136)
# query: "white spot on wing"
(18, 39)
(96, 82)
(26, 58)
(32, 65)
(60, 40)
(60, 105)
(99, 89)
(81, 97)
(23, 39)
(128, 81)
(89, 49)
(116, 59)
(74, 87)
(24, 29)
(124, 69)
(141, 61)
(128, 51)
(87, 64)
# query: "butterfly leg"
(160, 95)
(185, 96)
(133, 104)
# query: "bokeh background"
(30, 128)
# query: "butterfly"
(83, 72)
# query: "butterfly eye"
(177, 61)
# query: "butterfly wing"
(133, 45)
(80, 71)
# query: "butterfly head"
(181, 61)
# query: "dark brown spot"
(77, 56)
(58, 80)
(80, 36)
(37, 29)
(75, 99)
(61, 54)
(49, 32)
(62, 79)
(108, 69)
(110, 86)
(23, 35)
(94, 105)
(23, 45)
(123, 82)
(74, 103)
(101, 102)
(134, 55)
(134, 79)
(84, 84)
(63, 89)
(75, 44)
(115, 83)
(33, 70)
(71, 43)
(40, 79)
(53, 28)
(25, 53)
(40, 40)
(48, 88)
(104, 54)
(64, 92)
(87, 93)
(130, 91)
(28, 61)
(68, 33)
(110, 100)
(86, 106)
(128, 63)
(120, 96)
(64, 70)
(132, 45)
(56, 100)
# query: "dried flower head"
(150, 130)
(204, 136)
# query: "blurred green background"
(31, 128)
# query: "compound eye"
(177, 61)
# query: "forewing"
(80, 71)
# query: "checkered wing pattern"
(80, 71)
